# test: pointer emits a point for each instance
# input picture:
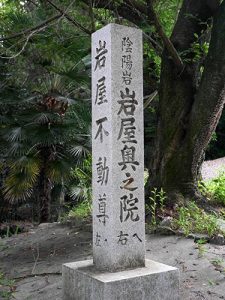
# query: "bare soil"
(212, 168)
(34, 259)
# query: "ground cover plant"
(192, 219)
(214, 189)
(7, 286)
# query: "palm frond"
(59, 170)
(14, 134)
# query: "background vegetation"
(45, 118)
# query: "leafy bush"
(82, 210)
(81, 189)
(214, 189)
(192, 219)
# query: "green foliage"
(217, 261)
(192, 219)
(43, 138)
(5, 294)
(81, 210)
(80, 191)
(55, 61)
(201, 247)
(214, 189)
(199, 50)
(3, 246)
(44, 99)
(6, 283)
(162, 198)
(157, 201)
(80, 188)
(168, 11)
(146, 175)
(152, 66)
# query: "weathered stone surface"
(117, 148)
(199, 236)
(81, 281)
(119, 270)
(165, 230)
(218, 240)
(167, 221)
(221, 224)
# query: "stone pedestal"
(155, 281)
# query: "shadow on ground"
(34, 259)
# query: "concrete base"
(81, 281)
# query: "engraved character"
(127, 62)
(122, 238)
(127, 44)
(127, 183)
(127, 131)
(136, 236)
(97, 239)
(128, 157)
(100, 57)
(128, 209)
(102, 171)
(127, 77)
(102, 216)
(101, 131)
(101, 92)
(127, 103)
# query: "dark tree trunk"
(44, 198)
(188, 113)
(5, 207)
(44, 190)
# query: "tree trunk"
(188, 113)
(44, 198)
(5, 207)
(44, 189)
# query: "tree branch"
(74, 22)
(24, 45)
(36, 28)
(141, 8)
(123, 9)
(91, 13)
(154, 44)
(166, 41)
(129, 10)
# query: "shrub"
(214, 189)
(192, 219)
(82, 210)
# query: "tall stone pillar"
(118, 270)
(118, 148)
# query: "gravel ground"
(34, 260)
(212, 168)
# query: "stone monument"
(119, 270)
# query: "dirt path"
(34, 259)
(212, 168)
